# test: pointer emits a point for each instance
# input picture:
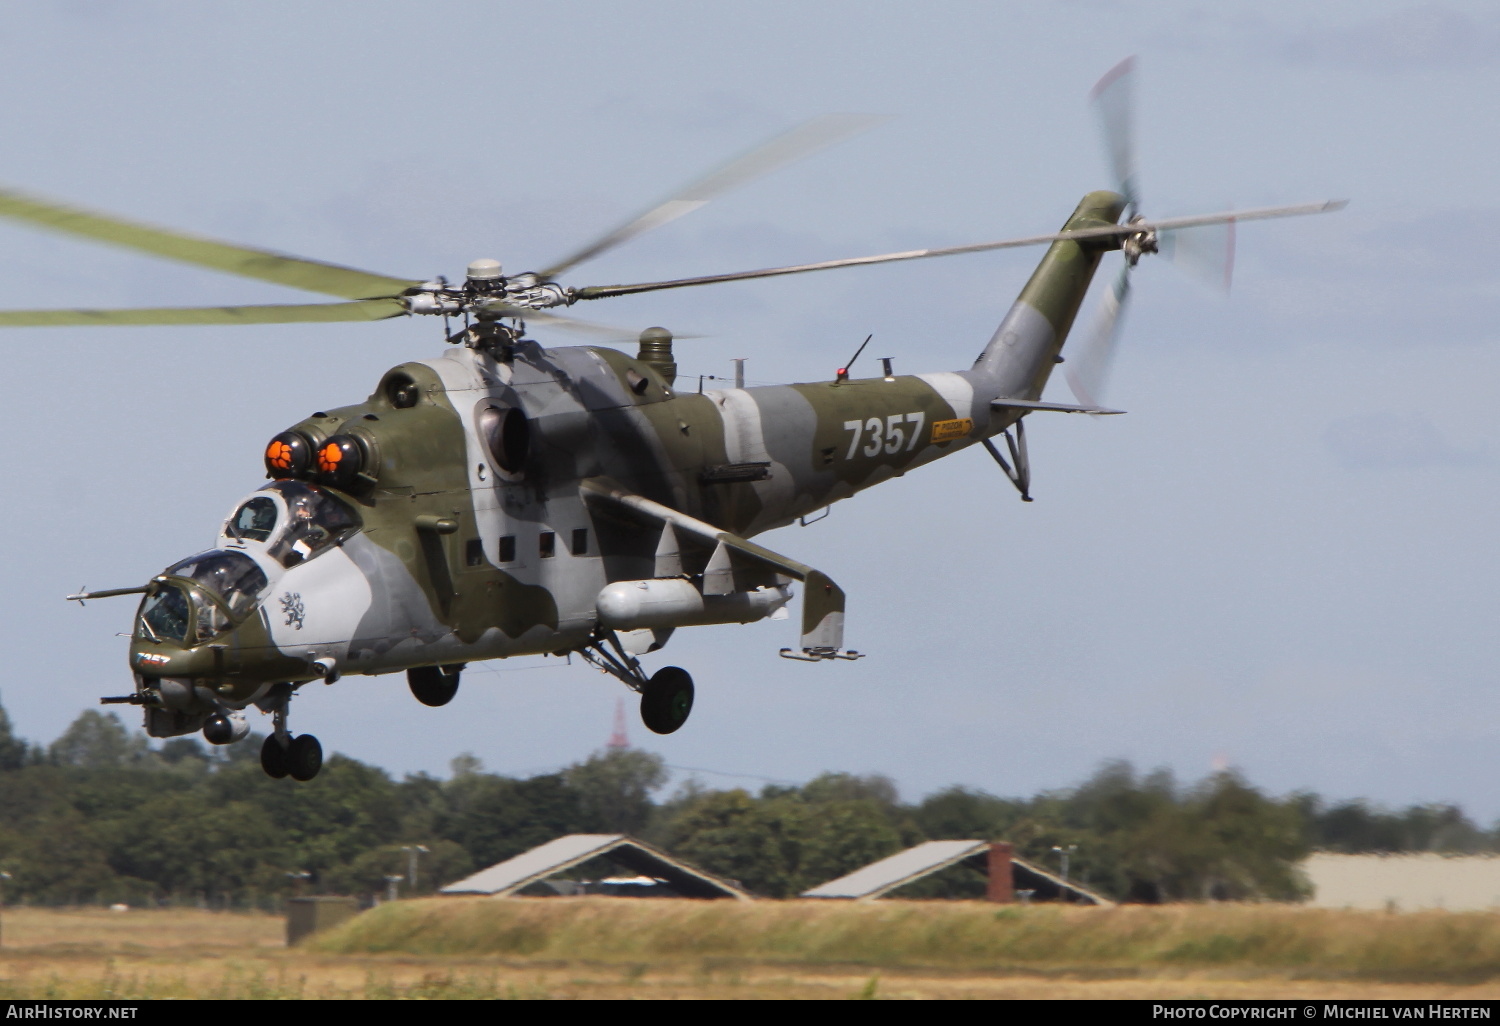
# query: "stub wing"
(733, 557)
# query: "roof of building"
(530, 867)
(904, 867)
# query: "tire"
(667, 700)
(431, 685)
(304, 757)
(273, 758)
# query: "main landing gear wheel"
(304, 757)
(433, 685)
(667, 699)
(273, 758)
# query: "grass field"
(611, 948)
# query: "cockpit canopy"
(200, 597)
(294, 520)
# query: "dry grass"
(622, 948)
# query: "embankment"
(1286, 940)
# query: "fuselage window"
(474, 552)
(547, 545)
(508, 548)
(580, 541)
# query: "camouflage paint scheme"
(615, 453)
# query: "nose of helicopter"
(155, 660)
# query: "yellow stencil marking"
(947, 430)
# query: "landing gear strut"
(434, 685)
(666, 696)
(281, 754)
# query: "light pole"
(1064, 852)
(392, 881)
(412, 851)
(3, 877)
(299, 879)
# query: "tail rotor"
(1205, 251)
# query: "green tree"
(493, 818)
(98, 741)
(13, 751)
(614, 788)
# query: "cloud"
(1411, 39)
(1366, 275)
(1390, 441)
(1415, 38)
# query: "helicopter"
(508, 498)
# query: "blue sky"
(1282, 559)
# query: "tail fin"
(1023, 351)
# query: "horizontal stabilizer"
(1035, 404)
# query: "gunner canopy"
(304, 522)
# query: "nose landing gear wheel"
(273, 758)
(433, 685)
(667, 699)
(304, 757)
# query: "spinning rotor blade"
(295, 313)
(1088, 370)
(802, 141)
(1206, 252)
(292, 313)
(1103, 232)
(1114, 102)
(263, 265)
(607, 332)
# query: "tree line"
(104, 815)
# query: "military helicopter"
(509, 498)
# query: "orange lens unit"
(279, 455)
(329, 457)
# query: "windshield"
(316, 520)
(164, 615)
(231, 576)
(255, 520)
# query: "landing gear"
(666, 696)
(281, 754)
(667, 699)
(300, 758)
(304, 757)
(434, 685)
(273, 758)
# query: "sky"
(1282, 560)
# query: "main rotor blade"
(293, 313)
(1114, 102)
(263, 265)
(1088, 370)
(1103, 232)
(296, 313)
(802, 141)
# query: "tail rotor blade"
(1114, 102)
(1205, 252)
(1088, 372)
